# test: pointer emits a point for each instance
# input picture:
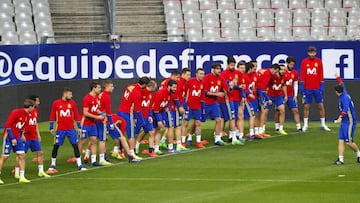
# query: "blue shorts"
(277, 101)
(115, 133)
(19, 148)
(255, 105)
(309, 94)
(131, 128)
(248, 110)
(88, 131)
(236, 109)
(155, 121)
(147, 126)
(34, 145)
(172, 118)
(70, 134)
(227, 111)
(347, 131)
(291, 104)
(101, 129)
(212, 110)
(193, 113)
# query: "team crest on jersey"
(60, 106)
(307, 65)
(292, 76)
(236, 76)
(150, 96)
(194, 86)
(212, 82)
(131, 88)
(255, 79)
(243, 80)
(201, 86)
(21, 118)
(35, 114)
(316, 64)
(219, 82)
(69, 106)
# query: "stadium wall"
(46, 68)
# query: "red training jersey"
(264, 77)
(311, 73)
(65, 112)
(235, 76)
(213, 84)
(253, 79)
(93, 104)
(131, 99)
(105, 103)
(276, 86)
(193, 89)
(290, 78)
(161, 100)
(146, 100)
(30, 131)
(16, 121)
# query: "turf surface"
(293, 168)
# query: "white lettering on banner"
(19, 125)
(214, 89)
(32, 121)
(3, 73)
(151, 59)
(145, 103)
(164, 66)
(186, 57)
(84, 63)
(96, 67)
(65, 113)
(311, 71)
(276, 87)
(39, 68)
(124, 63)
(196, 93)
(24, 65)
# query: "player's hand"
(100, 117)
(295, 99)
(270, 102)
(52, 131)
(181, 110)
(338, 120)
(150, 119)
(13, 142)
(79, 132)
(112, 126)
(231, 84)
(39, 137)
(242, 86)
(285, 99)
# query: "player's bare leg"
(296, 114)
(263, 118)
(40, 159)
(140, 137)
(191, 133)
(240, 122)
(277, 119)
(2, 161)
(102, 151)
(157, 140)
(22, 168)
(322, 116)
(170, 138)
(281, 110)
(178, 137)
(93, 140)
(218, 130)
(256, 123)
(163, 139)
(184, 132)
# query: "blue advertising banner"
(76, 61)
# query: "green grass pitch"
(293, 168)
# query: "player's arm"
(11, 121)
(344, 102)
(87, 113)
(302, 77)
(284, 89)
(52, 118)
(76, 116)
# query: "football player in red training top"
(160, 108)
(292, 87)
(65, 112)
(12, 140)
(130, 110)
(91, 113)
(264, 77)
(312, 85)
(229, 105)
(214, 87)
(33, 138)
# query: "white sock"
(131, 153)
(281, 127)
(41, 168)
(53, 161)
(137, 145)
(241, 135)
(189, 137)
(87, 153)
(298, 126)
(264, 128)
(17, 170)
(116, 149)
(322, 120)
(93, 158)
(277, 126)
(341, 158)
(101, 158)
(233, 135)
(198, 138)
(183, 138)
(358, 153)
(251, 131)
(163, 139)
(156, 147)
(256, 130)
(22, 174)
(170, 146)
(78, 161)
(217, 138)
(261, 130)
(178, 144)
(306, 121)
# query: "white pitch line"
(121, 163)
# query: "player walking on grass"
(91, 113)
(347, 120)
(292, 87)
(12, 139)
(214, 87)
(130, 110)
(312, 85)
(64, 112)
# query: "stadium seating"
(25, 21)
(264, 20)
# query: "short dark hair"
(33, 97)
(144, 80)
(240, 63)
(253, 61)
(28, 103)
(151, 83)
(199, 69)
(231, 59)
(339, 88)
(248, 66)
(275, 66)
(67, 89)
(106, 83)
(290, 59)
(94, 84)
(175, 73)
(184, 70)
(171, 83)
(311, 49)
(215, 65)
